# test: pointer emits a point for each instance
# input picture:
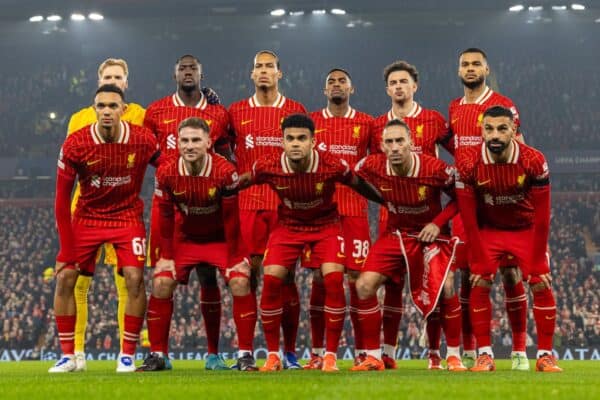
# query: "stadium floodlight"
(319, 12)
(278, 12)
(350, 25)
(559, 8)
(536, 8)
(96, 16)
(52, 115)
(274, 26)
(36, 18)
(291, 25)
(296, 13)
(338, 11)
(77, 17)
(577, 7)
(516, 8)
(597, 20)
(53, 18)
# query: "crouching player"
(504, 198)
(199, 220)
(411, 185)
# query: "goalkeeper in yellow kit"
(111, 71)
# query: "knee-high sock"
(158, 317)
(451, 320)
(516, 309)
(270, 311)
(210, 306)
(122, 297)
(468, 338)
(335, 310)
(392, 313)
(317, 314)
(434, 328)
(544, 313)
(244, 315)
(358, 337)
(65, 325)
(131, 334)
(481, 314)
(82, 287)
(369, 322)
(291, 315)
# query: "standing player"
(202, 233)
(346, 133)
(466, 116)
(109, 158)
(504, 199)
(257, 125)
(163, 117)
(307, 216)
(411, 185)
(429, 131)
(112, 71)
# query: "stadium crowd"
(28, 244)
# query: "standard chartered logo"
(322, 146)
(171, 141)
(249, 142)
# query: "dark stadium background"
(546, 61)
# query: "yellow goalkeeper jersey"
(86, 116)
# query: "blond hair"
(110, 62)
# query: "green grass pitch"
(188, 380)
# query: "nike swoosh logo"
(452, 316)
(267, 322)
(245, 122)
(152, 319)
(335, 319)
(385, 189)
(550, 318)
(514, 309)
(483, 182)
(281, 187)
(320, 130)
(92, 162)
(455, 120)
(359, 260)
(340, 255)
(140, 258)
(246, 314)
(178, 193)
(479, 309)
(169, 121)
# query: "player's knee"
(65, 282)
(239, 286)
(448, 289)
(510, 275)
(163, 287)
(134, 281)
(365, 288)
(484, 282)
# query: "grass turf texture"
(188, 380)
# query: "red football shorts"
(357, 241)
(500, 244)
(129, 244)
(461, 259)
(386, 258)
(190, 254)
(256, 225)
(286, 245)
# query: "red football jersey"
(503, 190)
(412, 201)
(110, 174)
(466, 118)
(306, 198)
(347, 137)
(197, 197)
(258, 133)
(164, 115)
(428, 128)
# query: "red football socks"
(335, 309)
(481, 314)
(291, 316)
(544, 313)
(210, 307)
(317, 314)
(158, 318)
(369, 322)
(131, 333)
(451, 316)
(434, 328)
(270, 311)
(244, 315)
(358, 338)
(516, 309)
(392, 312)
(65, 324)
(468, 338)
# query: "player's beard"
(498, 149)
(337, 100)
(474, 84)
(189, 88)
